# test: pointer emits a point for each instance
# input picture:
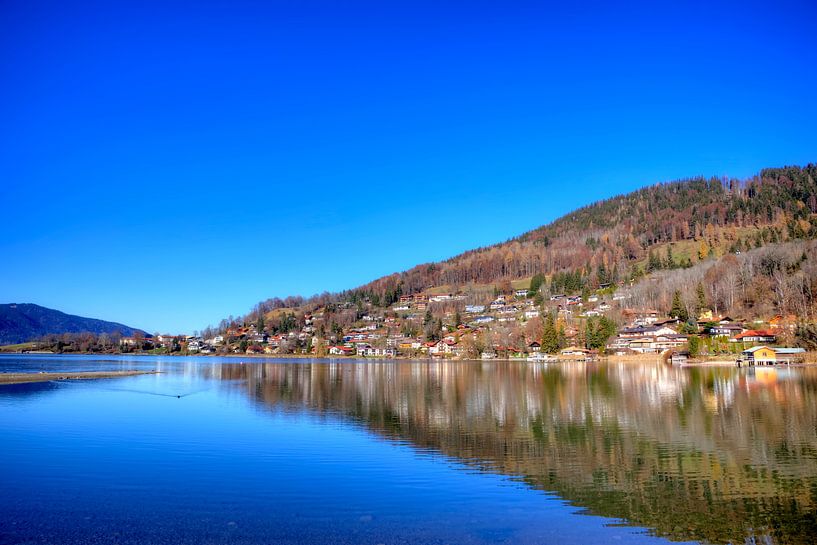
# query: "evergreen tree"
(700, 294)
(550, 337)
(561, 338)
(694, 346)
(670, 262)
(535, 284)
(678, 309)
(598, 332)
(653, 262)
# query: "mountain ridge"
(22, 322)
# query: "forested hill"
(607, 240)
(666, 225)
(25, 322)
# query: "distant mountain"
(22, 322)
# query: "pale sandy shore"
(19, 378)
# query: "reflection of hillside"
(695, 454)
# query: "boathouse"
(679, 358)
(759, 355)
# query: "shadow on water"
(27, 389)
(717, 455)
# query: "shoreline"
(625, 359)
(23, 378)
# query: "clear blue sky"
(167, 164)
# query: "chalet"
(259, 338)
(644, 317)
(759, 355)
(668, 322)
(442, 347)
(725, 330)
(451, 337)
(531, 314)
(370, 352)
(138, 343)
(646, 331)
(410, 344)
(521, 294)
(341, 350)
(756, 336)
(534, 347)
(648, 344)
(574, 351)
(406, 298)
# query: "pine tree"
(599, 330)
(670, 262)
(694, 346)
(678, 309)
(653, 262)
(550, 337)
(701, 298)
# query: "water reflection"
(721, 455)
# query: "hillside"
(25, 322)
(663, 226)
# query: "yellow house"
(760, 355)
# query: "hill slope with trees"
(665, 226)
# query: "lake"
(213, 450)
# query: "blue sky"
(167, 164)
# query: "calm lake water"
(299, 451)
